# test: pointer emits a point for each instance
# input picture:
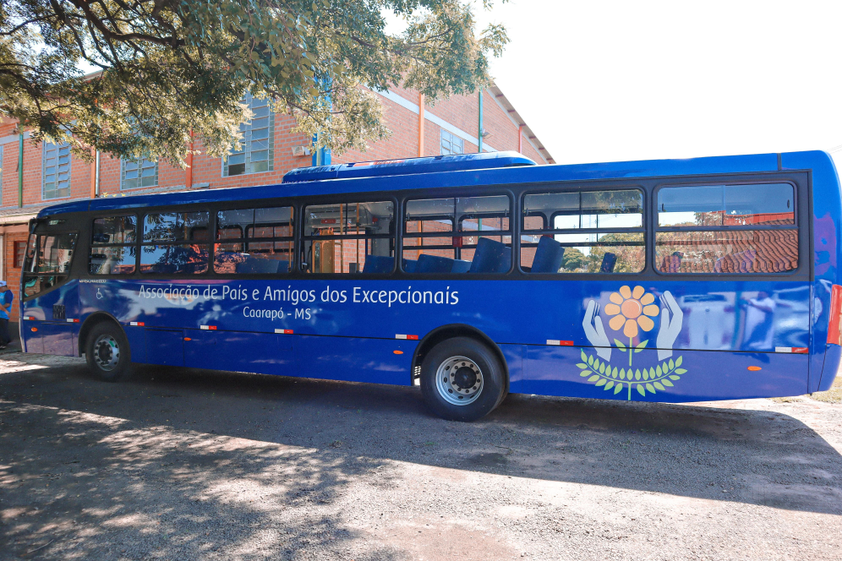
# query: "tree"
(169, 67)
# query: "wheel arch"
(449, 331)
(90, 322)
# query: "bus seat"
(256, 265)
(608, 262)
(378, 264)
(460, 266)
(491, 257)
(548, 256)
(409, 265)
(433, 264)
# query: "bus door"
(50, 310)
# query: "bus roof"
(501, 168)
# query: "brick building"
(52, 175)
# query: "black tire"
(107, 352)
(477, 387)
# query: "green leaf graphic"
(584, 357)
(641, 390)
(641, 346)
(596, 364)
(601, 382)
(602, 368)
(623, 374)
(618, 388)
(593, 378)
(620, 346)
(678, 361)
(589, 360)
(675, 377)
(659, 386)
(680, 371)
(667, 382)
(581, 365)
(609, 385)
(658, 371)
(645, 374)
(671, 364)
(650, 388)
(585, 373)
(614, 372)
(637, 374)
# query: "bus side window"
(175, 243)
(254, 241)
(113, 250)
(348, 238)
(579, 231)
(730, 229)
(49, 263)
(458, 235)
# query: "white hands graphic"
(671, 320)
(595, 332)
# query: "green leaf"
(640, 390)
(650, 388)
(585, 373)
(637, 374)
(675, 377)
(680, 371)
(596, 364)
(584, 356)
(667, 382)
(658, 371)
(608, 386)
(671, 364)
(601, 382)
(618, 388)
(659, 385)
(620, 345)
(678, 361)
(641, 346)
(614, 372)
(590, 360)
(622, 373)
(645, 374)
(602, 368)
(593, 378)
(581, 365)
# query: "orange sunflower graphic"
(631, 310)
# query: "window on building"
(727, 229)
(56, 171)
(20, 252)
(138, 173)
(451, 144)
(256, 153)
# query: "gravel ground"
(190, 464)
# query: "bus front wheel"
(462, 379)
(107, 352)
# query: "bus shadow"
(747, 456)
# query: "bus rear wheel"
(462, 379)
(107, 352)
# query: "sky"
(601, 81)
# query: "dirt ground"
(190, 464)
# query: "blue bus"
(471, 276)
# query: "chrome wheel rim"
(459, 380)
(106, 353)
